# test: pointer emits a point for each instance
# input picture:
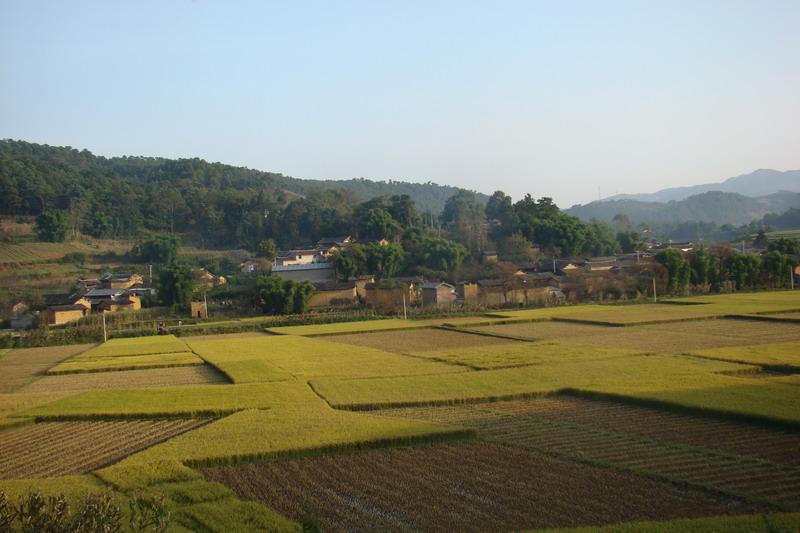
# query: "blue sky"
(561, 99)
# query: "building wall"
(55, 318)
(386, 299)
(334, 297)
(313, 275)
(440, 296)
(198, 310)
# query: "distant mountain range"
(762, 182)
(738, 200)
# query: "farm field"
(467, 487)
(520, 422)
(748, 462)
(61, 448)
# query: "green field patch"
(12, 404)
(779, 354)
(261, 435)
(74, 488)
(188, 401)
(233, 515)
(514, 354)
(126, 362)
(243, 360)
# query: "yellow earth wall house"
(387, 299)
(438, 294)
(63, 314)
(334, 297)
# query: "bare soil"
(20, 367)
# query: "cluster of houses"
(109, 294)
(546, 280)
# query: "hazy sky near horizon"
(562, 99)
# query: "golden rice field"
(646, 417)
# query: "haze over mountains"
(737, 200)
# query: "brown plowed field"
(60, 448)
(416, 340)
(129, 379)
(20, 367)
(466, 487)
(750, 461)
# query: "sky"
(572, 100)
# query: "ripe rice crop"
(126, 362)
(20, 367)
(270, 358)
(184, 402)
(137, 346)
(264, 434)
(418, 340)
(129, 379)
(543, 329)
(774, 354)
(513, 354)
(461, 487)
(61, 448)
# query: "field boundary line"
(376, 406)
(202, 413)
(470, 331)
(760, 317)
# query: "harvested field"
(467, 487)
(60, 448)
(19, 367)
(544, 330)
(129, 379)
(417, 340)
(749, 461)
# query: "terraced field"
(62, 448)
(533, 422)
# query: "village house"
(469, 293)
(392, 294)
(300, 257)
(438, 294)
(112, 300)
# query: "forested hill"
(713, 207)
(34, 176)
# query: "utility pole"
(655, 298)
(791, 276)
(105, 333)
(151, 276)
(205, 303)
(742, 246)
(554, 264)
(405, 316)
